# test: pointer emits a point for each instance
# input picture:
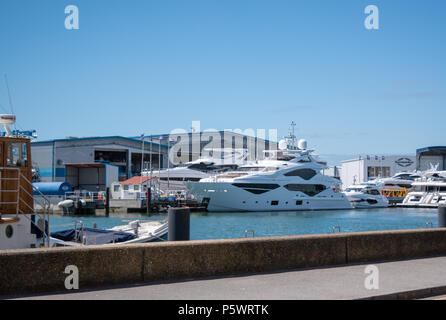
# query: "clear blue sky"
(153, 66)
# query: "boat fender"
(66, 204)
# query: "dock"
(140, 205)
(337, 283)
(329, 266)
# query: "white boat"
(364, 196)
(220, 160)
(399, 180)
(428, 191)
(289, 181)
(20, 225)
(134, 232)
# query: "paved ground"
(346, 282)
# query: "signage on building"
(404, 162)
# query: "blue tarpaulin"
(52, 188)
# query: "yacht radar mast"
(6, 120)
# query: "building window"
(116, 188)
(126, 187)
(136, 187)
(378, 172)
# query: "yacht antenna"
(9, 94)
(292, 135)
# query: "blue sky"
(153, 66)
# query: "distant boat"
(428, 191)
(364, 196)
(175, 178)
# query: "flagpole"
(142, 163)
(168, 161)
(159, 158)
(151, 150)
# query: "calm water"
(233, 225)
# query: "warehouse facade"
(52, 158)
(366, 168)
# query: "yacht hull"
(224, 197)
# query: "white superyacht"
(288, 181)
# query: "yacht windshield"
(353, 189)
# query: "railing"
(86, 195)
(16, 191)
(44, 203)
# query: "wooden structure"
(16, 190)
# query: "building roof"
(160, 136)
(437, 148)
(136, 180)
(133, 139)
(86, 165)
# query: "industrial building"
(431, 157)
(366, 168)
(190, 146)
(94, 163)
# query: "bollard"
(179, 224)
(107, 201)
(442, 216)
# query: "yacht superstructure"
(428, 191)
(219, 160)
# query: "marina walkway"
(333, 283)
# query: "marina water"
(267, 224)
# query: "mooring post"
(179, 224)
(107, 201)
(442, 216)
(148, 200)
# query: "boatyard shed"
(94, 176)
(191, 146)
(431, 157)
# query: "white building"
(369, 167)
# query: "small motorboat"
(366, 196)
(134, 232)
(148, 231)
